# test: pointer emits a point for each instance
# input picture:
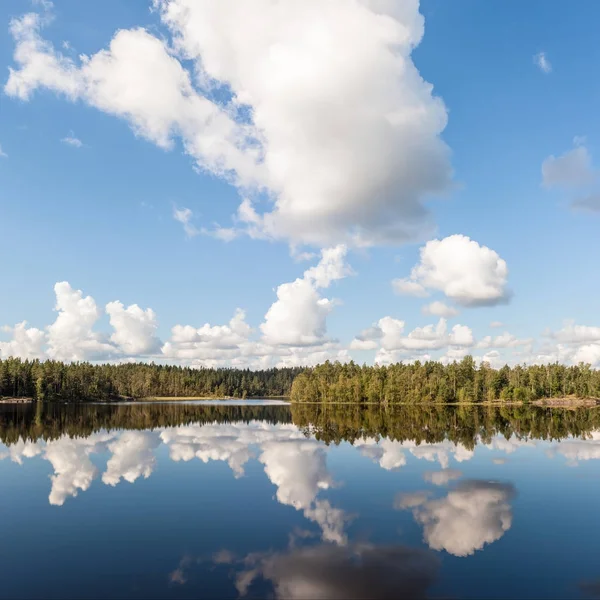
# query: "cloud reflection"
(470, 516)
(331, 572)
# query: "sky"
(268, 184)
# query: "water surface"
(223, 501)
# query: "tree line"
(432, 381)
(80, 381)
(419, 382)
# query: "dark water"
(188, 501)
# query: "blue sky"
(100, 216)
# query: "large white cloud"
(469, 274)
(342, 133)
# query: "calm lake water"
(225, 501)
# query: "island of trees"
(419, 382)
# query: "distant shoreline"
(211, 398)
(15, 400)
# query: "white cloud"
(2, 153)
(469, 274)
(496, 324)
(204, 343)
(298, 316)
(369, 152)
(26, 342)
(184, 216)
(71, 140)
(474, 514)
(541, 60)
(575, 334)
(505, 340)
(406, 287)
(571, 169)
(439, 309)
(71, 336)
(134, 329)
(388, 337)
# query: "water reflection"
(371, 503)
(333, 572)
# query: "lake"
(189, 500)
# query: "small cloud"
(541, 60)
(2, 153)
(178, 576)
(224, 557)
(410, 500)
(571, 169)
(225, 234)
(499, 461)
(496, 324)
(443, 477)
(71, 140)
(44, 4)
(184, 216)
(66, 45)
(439, 309)
(589, 203)
(590, 589)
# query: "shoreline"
(16, 400)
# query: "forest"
(432, 381)
(51, 381)
(419, 382)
